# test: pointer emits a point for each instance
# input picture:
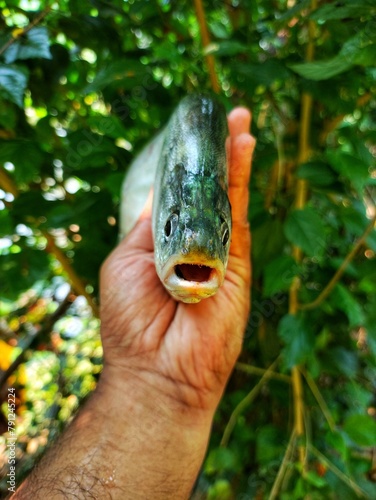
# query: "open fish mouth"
(191, 281)
(194, 272)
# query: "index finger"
(242, 145)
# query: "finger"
(242, 147)
(239, 121)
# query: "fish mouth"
(194, 272)
(194, 280)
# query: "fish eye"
(225, 232)
(171, 225)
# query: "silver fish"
(187, 166)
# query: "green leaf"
(226, 48)
(298, 339)
(265, 73)
(111, 126)
(25, 155)
(268, 243)
(346, 302)
(119, 72)
(322, 70)
(269, 445)
(313, 478)
(6, 223)
(346, 9)
(305, 229)
(361, 429)
(279, 274)
(13, 81)
(221, 459)
(34, 44)
(351, 167)
(316, 173)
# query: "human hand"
(183, 353)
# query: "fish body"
(187, 166)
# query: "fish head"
(192, 238)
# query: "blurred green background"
(83, 85)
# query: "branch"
(300, 201)
(244, 403)
(255, 370)
(343, 477)
(9, 186)
(20, 32)
(49, 322)
(337, 276)
(205, 42)
(320, 400)
(282, 469)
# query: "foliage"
(83, 85)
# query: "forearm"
(123, 444)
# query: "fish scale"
(186, 164)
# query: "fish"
(186, 164)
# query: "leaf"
(316, 173)
(346, 302)
(351, 167)
(34, 44)
(30, 203)
(305, 229)
(87, 149)
(265, 73)
(111, 126)
(361, 429)
(25, 155)
(346, 9)
(279, 274)
(269, 445)
(21, 270)
(13, 81)
(6, 224)
(268, 243)
(322, 70)
(342, 360)
(118, 72)
(298, 339)
(221, 459)
(226, 48)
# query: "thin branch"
(282, 469)
(205, 42)
(9, 186)
(320, 400)
(337, 276)
(238, 410)
(343, 477)
(23, 31)
(47, 326)
(300, 201)
(255, 370)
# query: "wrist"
(139, 396)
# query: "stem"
(31, 25)
(282, 469)
(9, 186)
(255, 370)
(337, 276)
(343, 477)
(205, 42)
(320, 400)
(244, 403)
(47, 325)
(300, 201)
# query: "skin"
(144, 432)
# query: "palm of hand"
(187, 351)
